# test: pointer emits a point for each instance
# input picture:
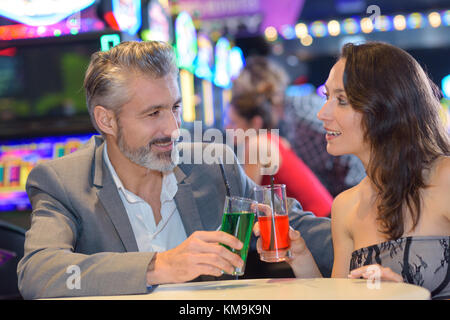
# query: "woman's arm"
(342, 239)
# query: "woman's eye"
(342, 102)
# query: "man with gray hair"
(121, 211)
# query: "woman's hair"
(261, 76)
(259, 90)
(109, 72)
(249, 105)
(400, 118)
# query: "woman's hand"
(298, 245)
(374, 272)
(301, 261)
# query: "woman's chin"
(333, 151)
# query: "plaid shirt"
(306, 135)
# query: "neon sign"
(222, 72)
(186, 41)
(41, 12)
(205, 58)
(128, 15)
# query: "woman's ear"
(105, 120)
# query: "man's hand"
(200, 254)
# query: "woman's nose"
(324, 113)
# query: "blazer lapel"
(110, 199)
(184, 198)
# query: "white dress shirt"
(150, 237)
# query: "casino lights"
(399, 22)
(334, 28)
(446, 18)
(445, 83)
(366, 25)
(434, 19)
(415, 20)
(271, 34)
(383, 23)
(355, 25)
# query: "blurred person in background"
(252, 110)
(295, 116)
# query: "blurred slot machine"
(204, 64)
(157, 23)
(13, 173)
(2, 174)
(222, 78)
(18, 158)
(186, 52)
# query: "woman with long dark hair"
(382, 107)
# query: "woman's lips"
(332, 134)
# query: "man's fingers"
(208, 249)
(209, 270)
(217, 262)
(219, 237)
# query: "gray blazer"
(78, 219)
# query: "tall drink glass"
(238, 217)
(273, 222)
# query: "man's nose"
(171, 126)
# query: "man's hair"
(109, 72)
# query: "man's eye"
(153, 114)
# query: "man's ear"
(106, 120)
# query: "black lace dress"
(423, 261)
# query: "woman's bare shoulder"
(346, 199)
(440, 181)
(441, 172)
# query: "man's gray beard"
(145, 157)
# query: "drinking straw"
(272, 233)
(228, 191)
(227, 185)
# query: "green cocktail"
(238, 221)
